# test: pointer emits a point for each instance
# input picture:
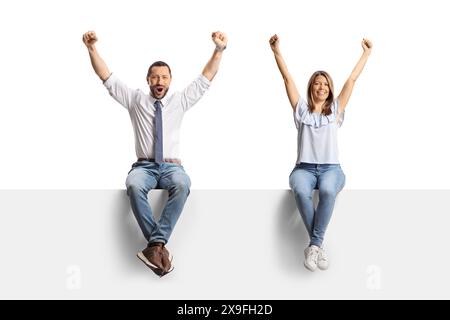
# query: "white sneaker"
(322, 260)
(311, 257)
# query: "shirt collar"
(163, 100)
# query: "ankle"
(155, 244)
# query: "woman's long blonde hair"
(326, 110)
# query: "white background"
(60, 129)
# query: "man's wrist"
(220, 49)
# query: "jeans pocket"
(134, 166)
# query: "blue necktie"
(158, 132)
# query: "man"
(156, 120)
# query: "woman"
(317, 167)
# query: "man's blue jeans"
(329, 179)
(145, 176)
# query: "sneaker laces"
(313, 254)
(322, 255)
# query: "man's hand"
(220, 40)
(89, 38)
(274, 42)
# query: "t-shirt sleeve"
(119, 91)
(193, 92)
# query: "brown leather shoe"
(152, 257)
(166, 259)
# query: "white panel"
(226, 245)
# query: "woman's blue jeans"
(329, 179)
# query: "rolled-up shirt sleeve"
(193, 92)
(119, 91)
